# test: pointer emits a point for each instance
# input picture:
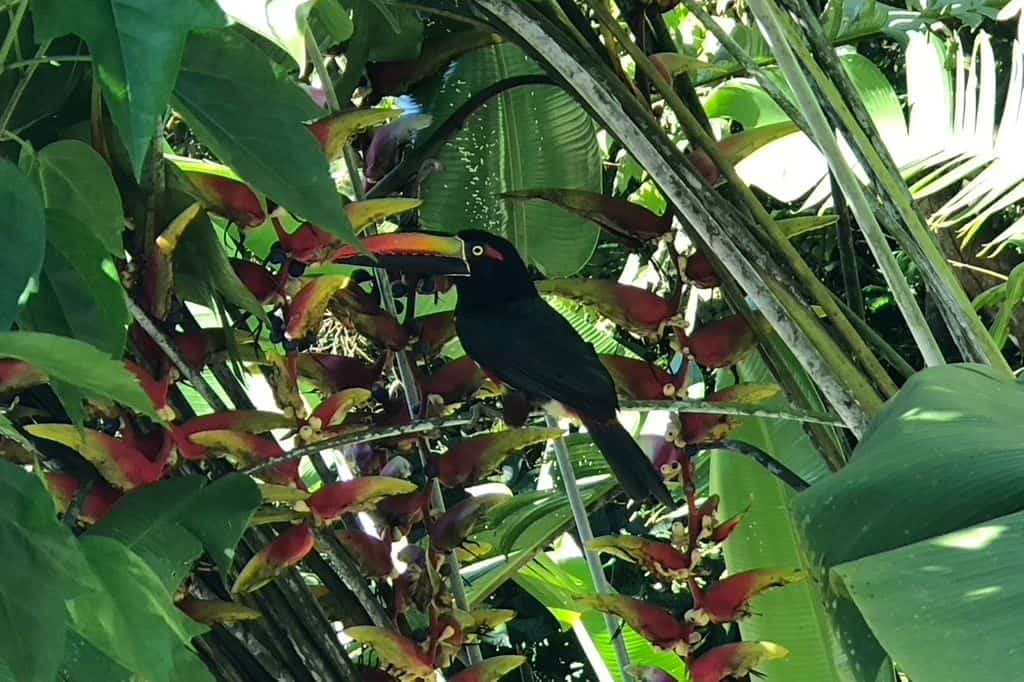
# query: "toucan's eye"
(477, 250)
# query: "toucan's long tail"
(628, 462)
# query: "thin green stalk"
(696, 134)
(702, 209)
(19, 89)
(12, 29)
(847, 254)
(49, 59)
(826, 141)
(582, 520)
(963, 322)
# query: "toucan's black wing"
(526, 344)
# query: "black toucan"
(517, 338)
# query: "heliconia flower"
(434, 332)
(482, 621)
(630, 307)
(333, 373)
(707, 428)
(155, 390)
(215, 611)
(647, 674)
(453, 381)
(16, 376)
(733, 661)
(197, 347)
(699, 271)
(333, 501)
(364, 213)
(382, 328)
(309, 305)
(737, 147)
(121, 465)
(97, 503)
(670, 460)
(249, 421)
(399, 513)
(260, 282)
(445, 637)
(337, 130)
(381, 155)
(640, 380)
(287, 550)
(653, 623)
(701, 521)
(282, 373)
(472, 459)
(394, 651)
(453, 527)
(307, 244)
(417, 584)
(372, 555)
(726, 600)
(629, 222)
(353, 298)
(719, 344)
(333, 409)
(490, 670)
(723, 530)
(224, 195)
(251, 449)
(659, 558)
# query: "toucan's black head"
(496, 271)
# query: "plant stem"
(62, 58)
(12, 31)
(19, 90)
(847, 254)
(770, 464)
(579, 515)
(826, 141)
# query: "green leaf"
(42, 567)
(282, 22)
(253, 122)
(136, 46)
(24, 230)
(76, 180)
(85, 663)
(333, 18)
(397, 31)
(132, 618)
(793, 617)
(962, 587)
(944, 455)
(78, 364)
(169, 524)
(81, 293)
(532, 136)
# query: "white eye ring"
(477, 250)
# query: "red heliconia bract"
(258, 280)
(454, 381)
(458, 523)
(97, 503)
(227, 197)
(726, 600)
(308, 244)
(16, 376)
(333, 501)
(155, 390)
(434, 332)
(121, 465)
(307, 308)
(337, 130)
(723, 530)
(333, 409)
(630, 307)
(700, 273)
(658, 558)
(707, 428)
(333, 373)
(394, 651)
(288, 549)
(399, 513)
(251, 449)
(732, 661)
(653, 623)
(640, 380)
(648, 674)
(372, 555)
(720, 344)
(471, 459)
(382, 328)
(250, 421)
(445, 638)
(631, 223)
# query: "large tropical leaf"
(932, 490)
(24, 225)
(794, 617)
(528, 137)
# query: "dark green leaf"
(42, 567)
(137, 47)
(24, 230)
(76, 180)
(78, 364)
(253, 122)
(85, 663)
(333, 19)
(132, 618)
(528, 137)
(81, 294)
(221, 514)
(397, 31)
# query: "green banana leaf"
(535, 136)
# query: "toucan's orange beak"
(429, 254)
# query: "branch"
(770, 464)
(704, 407)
